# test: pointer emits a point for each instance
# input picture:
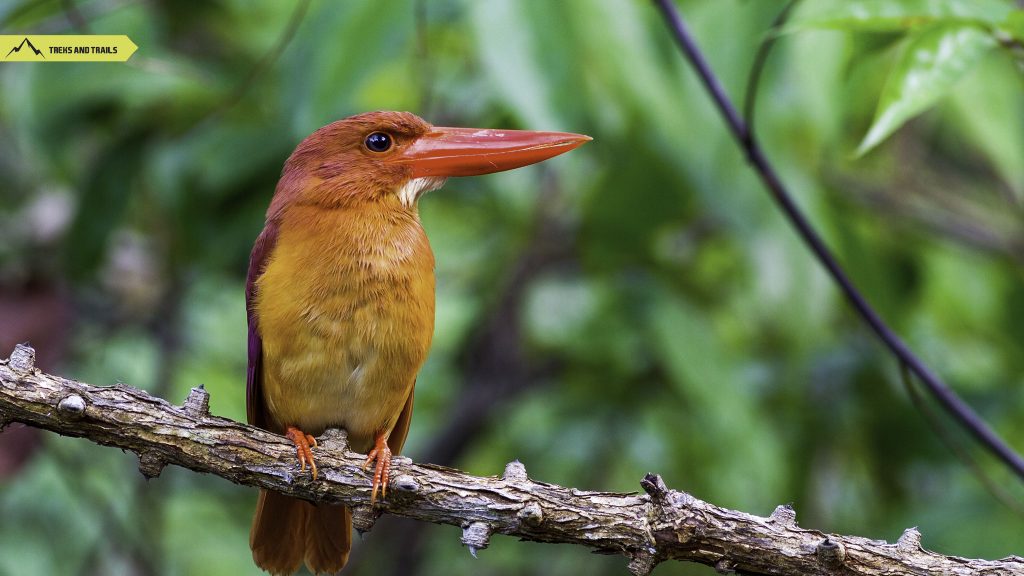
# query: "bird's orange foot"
(303, 444)
(381, 472)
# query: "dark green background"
(637, 305)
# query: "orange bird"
(340, 299)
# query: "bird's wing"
(397, 438)
(255, 410)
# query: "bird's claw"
(303, 444)
(382, 471)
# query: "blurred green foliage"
(671, 322)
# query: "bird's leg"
(303, 442)
(381, 473)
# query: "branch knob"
(405, 483)
(363, 518)
(831, 553)
(198, 402)
(23, 358)
(531, 514)
(476, 536)
(151, 465)
(71, 406)
(515, 471)
(910, 540)
(784, 515)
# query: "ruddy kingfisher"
(340, 301)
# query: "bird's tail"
(287, 531)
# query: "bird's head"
(395, 157)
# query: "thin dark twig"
(954, 445)
(949, 220)
(760, 60)
(948, 399)
(78, 22)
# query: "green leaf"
(103, 203)
(930, 65)
(988, 112)
(890, 15)
(1014, 25)
(320, 83)
(725, 404)
(507, 49)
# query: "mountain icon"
(22, 45)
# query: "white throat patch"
(413, 189)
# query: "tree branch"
(961, 412)
(648, 528)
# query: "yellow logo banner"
(66, 48)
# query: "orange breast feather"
(346, 312)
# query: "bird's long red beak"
(445, 152)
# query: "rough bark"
(646, 528)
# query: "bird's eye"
(378, 142)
